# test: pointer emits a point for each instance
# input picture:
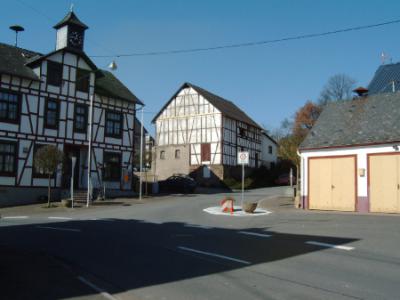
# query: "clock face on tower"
(76, 39)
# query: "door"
(384, 183)
(332, 183)
(69, 152)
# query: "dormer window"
(54, 73)
(82, 80)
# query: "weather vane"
(385, 57)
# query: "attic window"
(82, 80)
(54, 73)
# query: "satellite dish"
(16, 29)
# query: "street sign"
(243, 158)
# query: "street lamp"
(112, 66)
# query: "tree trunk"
(48, 192)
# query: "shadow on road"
(124, 255)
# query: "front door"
(69, 152)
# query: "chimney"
(361, 91)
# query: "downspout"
(301, 203)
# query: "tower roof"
(70, 18)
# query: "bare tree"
(338, 87)
(47, 159)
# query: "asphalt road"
(171, 249)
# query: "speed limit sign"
(243, 158)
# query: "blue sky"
(268, 82)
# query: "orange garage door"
(384, 183)
(332, 183)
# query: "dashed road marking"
(347, 248)
(58, 228)
(198, 226)
(255, 234)
(96, 288)
(215, 255)
(60, 218)
(16, 217)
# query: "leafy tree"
(305, 119)
(338, 87)
(47, 159)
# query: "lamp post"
(112, 66)
(141, 153)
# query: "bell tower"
(70, 32)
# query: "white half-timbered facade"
(200, 133)
(45, 99)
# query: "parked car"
(284, 179)
(179, 183)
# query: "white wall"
(362, 163)
(266, 157)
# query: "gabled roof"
(70, 18)
(226, 107)
(37, 59)
(107, 84)
(13, 60)
(263, 132)
(363, 121)
(17, 61)
(384, 78)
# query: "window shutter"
(205, 152)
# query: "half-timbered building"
(200, 133)
(46, 99)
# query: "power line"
(251, 44)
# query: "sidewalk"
(41, 208)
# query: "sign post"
(243, 159)
(73, 162)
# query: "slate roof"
(109, 85)
(226, 107)
(15, 61)
(382, 82)
(70, 18)
(363, 121)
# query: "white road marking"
(16, 217)
(150, 222)
(255, 234)
(347, 248)
(215, 255)
(96, 288)
(198, 226)
(58, 228)
(60, 218)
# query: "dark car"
(284, 179)
(178, 183)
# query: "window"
(242, 132)
(82, 80)
(256, 160)
(113, 124)
(162, 154)
(9, 107)
(270, 149)
(112, 166)
(205, 152)
(80, 119)
(51, 114)
(54, 73)
(177, 153)
(8, 158)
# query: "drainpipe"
(298, 178)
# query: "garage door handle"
(332, 186)
(398, 186)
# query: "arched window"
(177, 153)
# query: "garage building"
(350, 160)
